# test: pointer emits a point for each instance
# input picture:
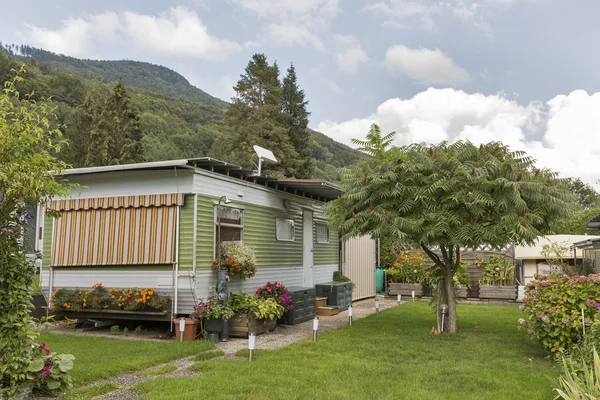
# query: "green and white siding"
(277, 260)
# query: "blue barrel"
(379, 279)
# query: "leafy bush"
(238, 259)
(213, 308)
(553, 308)
(461, 277)
(260, 308)
(115, 330)
(49, 371)
(409, 267)
(498, 271)
(278, 292)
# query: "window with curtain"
(232, 224)
(322, 233)
(284, 229)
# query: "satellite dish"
(265, 154)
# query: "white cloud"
(430, 67)
(287, 34)
(76, 36)
(288, 22)
(561, 134)
(350, 54)
(176, 32)
(424, 13)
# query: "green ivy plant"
(29, 140)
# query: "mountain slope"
(178, 119)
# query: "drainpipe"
(194, 252)
(574, 256)
(176, 285)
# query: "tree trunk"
(445, 292)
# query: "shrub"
(49, 371)
(575, 385)
(278, 292)
(553, 308)
(409, 267)
(238, 259)
(114, 330)
(259, 307)
(498, 271)
(138, 330)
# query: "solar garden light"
(444, 310)
(377, 306)
(399, 299)
(413, 295)
(315, 328)
(251, 344)
(583, 321)
(350, 314)
(181, 328)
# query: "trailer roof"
(316, 189)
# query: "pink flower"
(591, 303)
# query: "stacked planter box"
(338, 294)
(303, 300)
(405, 289)
(461, 292)
(498, 292)
(242, 325)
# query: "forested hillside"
(177, 120)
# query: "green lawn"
(390, 356)
(98, 358)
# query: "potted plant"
(497, 279)
(278, 292)
(238, 260)
(462, 283)
(213, 311)
(252, 314)
(407, 274)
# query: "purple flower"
(27, 215)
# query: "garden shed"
(154, 225)
(534, 262)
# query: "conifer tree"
(116, 137)
(257, 119)
(296, 120)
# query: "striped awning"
(155, 200)
(128, 230)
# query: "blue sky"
(521, 71)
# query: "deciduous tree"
(447, 197)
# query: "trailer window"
(232, 225)
(322, 231)
(285, 229)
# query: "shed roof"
(316, 189)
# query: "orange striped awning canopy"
(122, 230)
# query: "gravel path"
(282, 336)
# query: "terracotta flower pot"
(190, 330)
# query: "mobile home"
(154, 225)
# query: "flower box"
(242, 325)
(117, 314)
(405, 289)
(498, 292)
(461, 292)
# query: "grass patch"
(391, 355)
(99, 358)
(207, 355)
(201, 367)
(164, 369)
(88, 392)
